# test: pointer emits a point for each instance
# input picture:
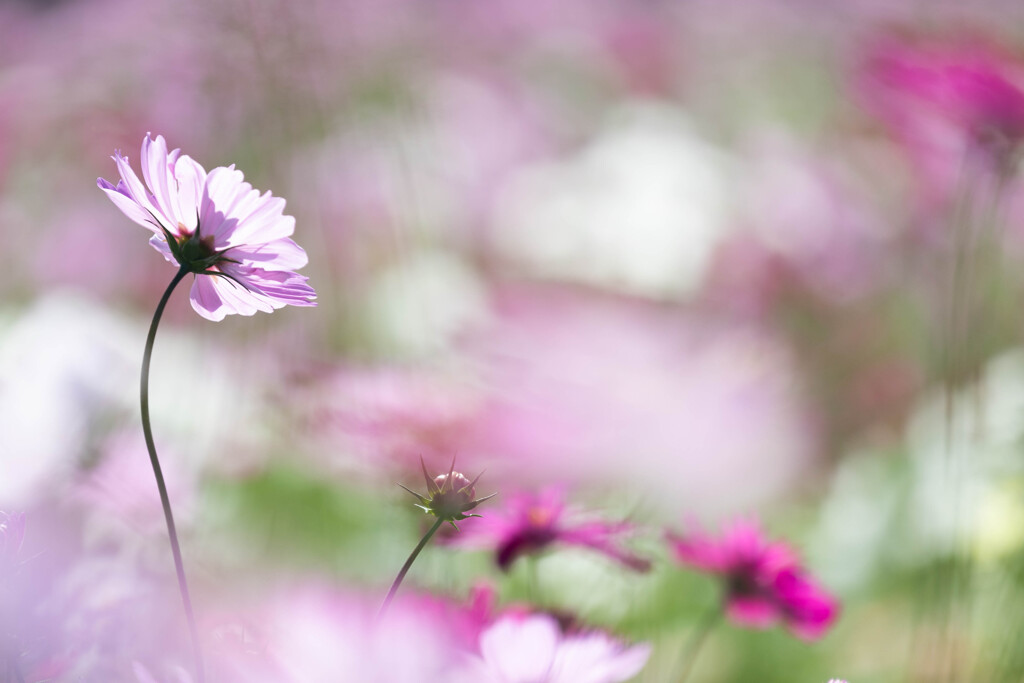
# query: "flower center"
(743, 581)
(195, 252)
(540, 516)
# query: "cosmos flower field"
(522, 341)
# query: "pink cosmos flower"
(532, 649)
(764, 582)
(530, 523)
(215, 225)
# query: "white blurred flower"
(639, 209)
(69, 371)
(61, 363)
(419, 305)
(958, 486)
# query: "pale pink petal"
(205, 300)
(155, 169)
(223, 185)
(596, 658)
(279, 255)
(285, 286)
(128, 206)
(190, 178)
(241, 300)
(475, 670)
(521, 649)
(263, 221)
(282, 254)
(231, 199)
(136, 191)
(159, 243)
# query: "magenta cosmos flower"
(215, 225)
(764, 582)
(531, 523)
(532, 649)
(931, 92)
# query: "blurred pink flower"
(319, 635)
(814, 216)
(72, 607)
(947, 100)
(764, 581)
(388, 414)
(971, 84)
(313, 632)
(12, 535)
(530, 523)
(119, 484)
(217, 226)
(532, 649)
(682, 380)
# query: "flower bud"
(454, 496)
(449, 496)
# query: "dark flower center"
(194, 252)
(528, 540)
(743, 582)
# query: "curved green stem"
(147, 429)
(697, 639)
(405, 567)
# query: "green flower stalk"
(237, 245)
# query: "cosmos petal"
(128, 206)
(205, 299)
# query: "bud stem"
(696, 641)
(405, 568)
(165, 501)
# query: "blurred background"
(689, 261)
